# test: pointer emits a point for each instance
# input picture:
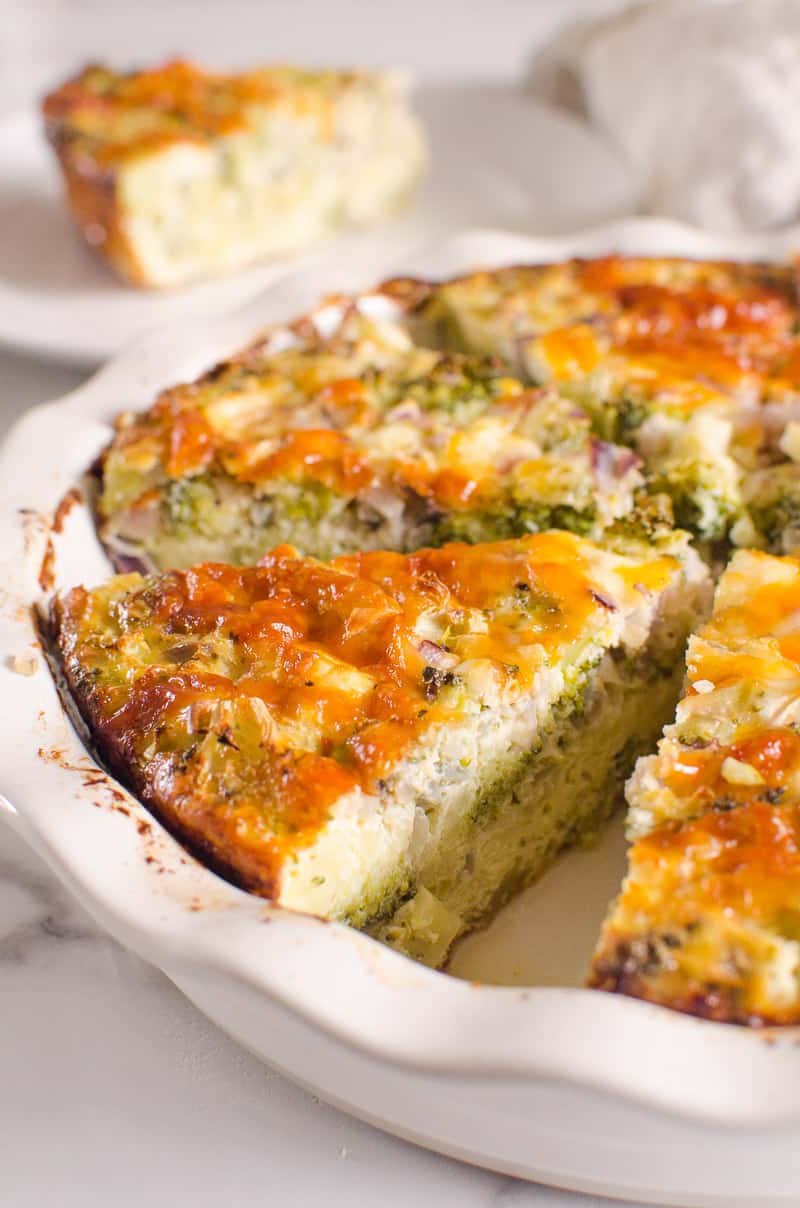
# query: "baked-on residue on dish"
(176, 173)
(399, 741)
(708, 920)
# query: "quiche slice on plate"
(398, 741)
(708, 920)
(692, 363)
(346, 435)
(176, 173)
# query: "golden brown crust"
(92, 199)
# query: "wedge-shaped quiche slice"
(396, 741)
(708, 920)
(353, 439)
(178, 173)
(695, 364)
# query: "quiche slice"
(708, 920)
(695, 364)
(398, 741)
(352, 439)
(176, 173)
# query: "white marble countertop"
(115, 1090)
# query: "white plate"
(489, 146)
(551, 1082)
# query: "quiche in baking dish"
(402, 736)
(709, 917)
(353, 439)
(177, 173)
(400, 741)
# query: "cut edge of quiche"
(396, 741)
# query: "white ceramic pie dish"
(554, 1083)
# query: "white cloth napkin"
(703, 98)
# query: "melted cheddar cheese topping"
(693, 363)
(669, 323)
(419, 441)
(114, 117)
(244, 703)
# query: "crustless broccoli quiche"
(178, 173)
(395, 740)
(709, 917)
(413, 604)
